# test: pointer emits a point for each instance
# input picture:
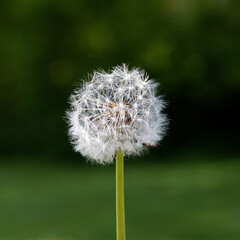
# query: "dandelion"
(116, 114)
(116, 110)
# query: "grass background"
(175, 199)
(178, 191)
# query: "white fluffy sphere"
(115, 110)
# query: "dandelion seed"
(116, 110)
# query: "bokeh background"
(188, 187)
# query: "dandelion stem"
(120, 212)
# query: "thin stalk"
(120, 211)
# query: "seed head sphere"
(119, 109)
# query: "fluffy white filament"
(116, 109)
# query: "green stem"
(120, 212)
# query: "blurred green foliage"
(192, 47)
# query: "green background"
(188, 187)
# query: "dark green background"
(188, 188)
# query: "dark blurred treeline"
(46, 46)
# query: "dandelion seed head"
(116, 110)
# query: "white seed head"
(116, 110)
